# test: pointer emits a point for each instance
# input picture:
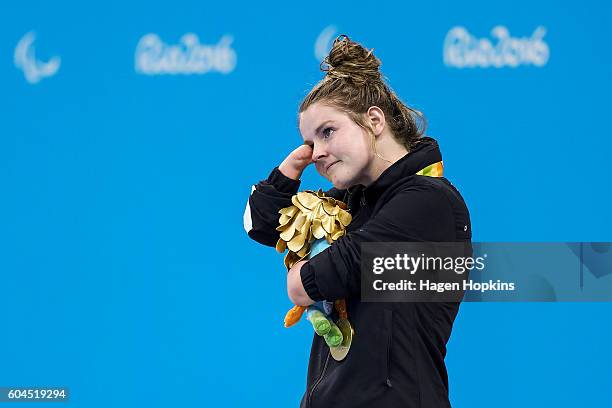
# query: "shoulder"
(422, 188)
(416, 188)
(432, 205)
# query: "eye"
(327, 132)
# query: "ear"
(376, 117)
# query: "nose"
(318, 151)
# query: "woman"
(363, 139)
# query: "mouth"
(328, 167)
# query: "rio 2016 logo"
(154, 57)
(463, 50)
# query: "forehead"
(315, 116)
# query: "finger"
(304, 152)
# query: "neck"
(389, 151)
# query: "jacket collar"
(424, 154)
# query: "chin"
(341, 184)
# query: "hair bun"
(351, 61)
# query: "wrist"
(290, 171)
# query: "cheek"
(351, 150)
(353, 165)
(359, 154)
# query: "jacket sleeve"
(261, 212)
(267, 197)
(419, 213)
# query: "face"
(341, 148)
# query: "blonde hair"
(353, 83)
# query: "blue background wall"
(125, 272)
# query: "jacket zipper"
(388, 381)
(389, 322)
(319, 380)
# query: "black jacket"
(397, 355)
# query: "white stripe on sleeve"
(248, 222)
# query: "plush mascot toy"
(310, 225)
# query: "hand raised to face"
(294, 164)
